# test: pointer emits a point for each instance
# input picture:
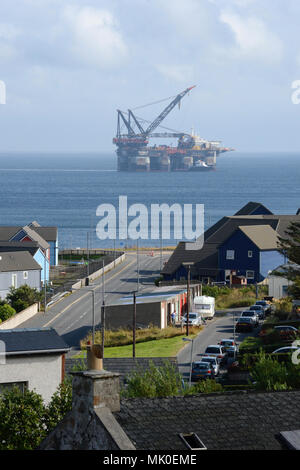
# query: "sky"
(69, 65)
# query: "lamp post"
(134, 324)
(188, 266)
(192, 341)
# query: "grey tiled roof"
(17, 261)
(32, 341)
(251, 207)
(244, 420)
(124, 365)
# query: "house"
(16, 269)
(46, 237)
(278, 285)
(34, 359)
(99, 420)
(244, 244)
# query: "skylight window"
(192, 441)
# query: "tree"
(21, 420)
(290, 247)
(6, 312)
(23, 297)
(60, 404)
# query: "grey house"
(16, 269)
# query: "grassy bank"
(166, 347)
(123, 337)
(234, 297)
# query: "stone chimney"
(96, 388)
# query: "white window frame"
(250, 254)
(250, 277)
(25, 274)
(230, 254)
(14, 279)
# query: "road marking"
(85, 295)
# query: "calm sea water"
(65, 190)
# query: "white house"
(278, 285)
(32, 359)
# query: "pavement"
(72, 316)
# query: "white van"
(204, 305)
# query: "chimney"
(94, 389)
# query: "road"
(220, 327)
(72, 316)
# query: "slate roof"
(251, 207)
(233, 421)
(35, 236)
(32, 341)
(264, 237)
(31, 247)
(17, 261)
(47, 233)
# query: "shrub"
(269, 374)
(164, 381)
(22, 425)
(23, 297)
(6, 312)
(60, 404)
(204, 386)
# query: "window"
(192, 441)
(14, 280)
(25, 275)
(22, 386)
(250, 254)
(230, 254)
(250, 274)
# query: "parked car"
(230, 346)
(259, 310)
(251, 314)
(202, 370)
(195, 319)
(244, 324)
(213, 361)
(287, 332)
(266, 305)
(217, 351)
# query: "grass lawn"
(167, 347)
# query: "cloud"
(253, 40)
(179, 73)
(95, 36)
(8, 33)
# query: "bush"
(269, 374)
(164, 381)
(205, 386)
(60, 404)
(6, 312)
(23, 297)
(22, 425)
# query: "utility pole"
(87, 254)
(102, 328)
(134, 325)
(138, 265)
(161, 250)
(93, 331)
(45, 284)
(188, 265)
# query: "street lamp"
(188, 265)
(191, 341)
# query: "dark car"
(267, 307)
(244, 324)
(202, 370)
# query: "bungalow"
(16, 269)
(34, 359)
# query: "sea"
(65, 189)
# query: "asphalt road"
(72, 316)
(220, 327)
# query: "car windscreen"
(193, 315)
(213, 350)
(202, 366)
(248, 314)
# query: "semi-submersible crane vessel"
(192, 153)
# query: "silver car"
(195, 319)
(213, 361)
(251, 314)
